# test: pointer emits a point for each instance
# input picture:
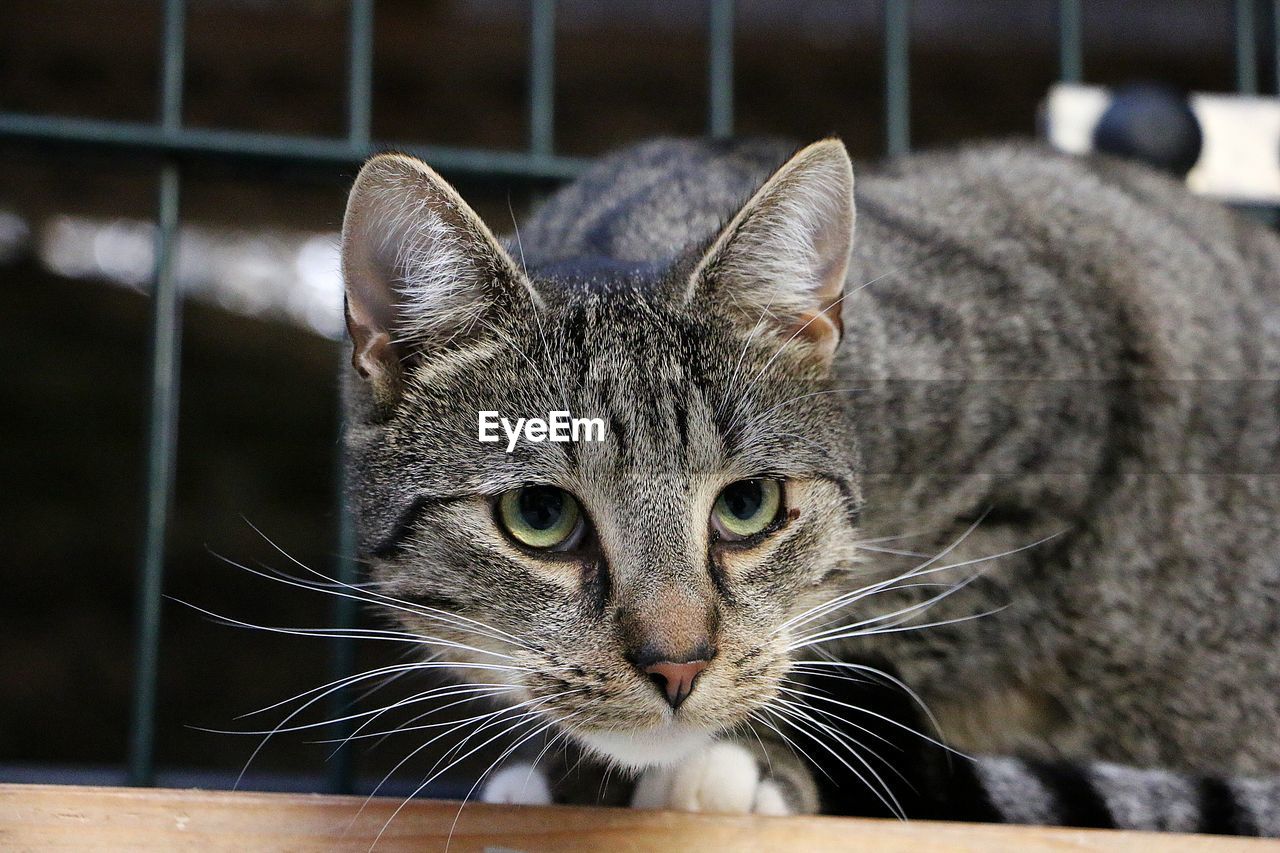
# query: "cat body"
(1024, 426)
(1061, 345)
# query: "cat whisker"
(413, 726)
(845, 739)
(562, 734)
(519, 243)
(891, 584)
(514, 725)
(488, 718)
(498, 761)
(454, 621)
(822, 667)
(894, 551)
(333, 686)
(328, 690)
(837, 613)
(390, 679)
(525, 718)
(859, 709)
(442, 692)
(901, 628)
(380, 598)
(806, 724)
(345, 633)
(853, 595)
(491, 717)
(604, 778)
(400, 668)
(415, 718)
(336, 686)
(792, 745)
(883, 793)
(801, 703)
(751, 728)
(401, 763)
(899, 537)
(905, 612)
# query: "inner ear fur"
(782, 260)
(420, 268)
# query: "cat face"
(635, 590)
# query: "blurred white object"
(1240, 158)
(281, 275)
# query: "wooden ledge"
(42, 817)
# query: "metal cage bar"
(1275, 45)
(542, 71)
(1246, 27)
(897, 76)
(166, 356)
(172, 140)
(1070, 42)
(720, 69)
(243, 146)
(342, 660)
(360, 73)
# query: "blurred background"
(257, 263)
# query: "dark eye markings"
(394, 544)
(852, 505)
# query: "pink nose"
(675, 679)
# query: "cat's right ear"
(421, 270)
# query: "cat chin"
(661, 746)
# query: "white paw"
(519, 784)
(722, 778)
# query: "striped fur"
(1115, 796)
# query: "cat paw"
(724, 778)
(519, 784)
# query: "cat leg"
(731, 777)
(517, 784)
(734, 776)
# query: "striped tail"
(1012, 790)
(929, 783)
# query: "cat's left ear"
(781, 261)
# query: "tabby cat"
(1011, 448)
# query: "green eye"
(746, 508)
(541, 517)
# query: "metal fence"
(172, 144)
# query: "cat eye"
(746, 508)
(542, 517)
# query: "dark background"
(258, 417)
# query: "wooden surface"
(44, 817)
